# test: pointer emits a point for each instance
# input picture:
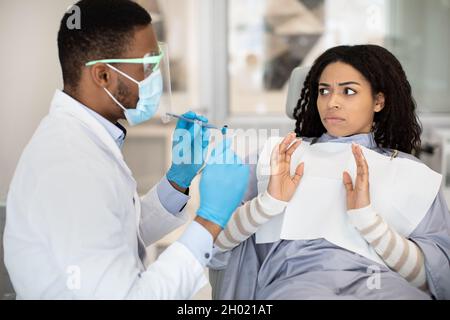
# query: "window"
(419, 37)
(175, 23)
(268, 38)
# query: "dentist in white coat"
(76, 228)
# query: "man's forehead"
(144, 42)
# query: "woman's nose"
(333, 102)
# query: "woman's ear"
(379, 102)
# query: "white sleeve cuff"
(271, 205)
(363, 217)
(172, 200)
(199, 241)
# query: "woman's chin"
(338, 133)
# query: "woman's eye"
(324, 91)
(349, 92)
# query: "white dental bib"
(401, 191)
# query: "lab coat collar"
(63, 103)
(117, 131)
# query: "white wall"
(29, 74)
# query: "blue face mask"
(150, 92)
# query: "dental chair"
(296, 81)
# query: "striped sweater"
(247, 219)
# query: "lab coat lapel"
(63, 103)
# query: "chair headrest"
(296, 81)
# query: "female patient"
(357, 95)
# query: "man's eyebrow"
(340, 84)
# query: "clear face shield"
(155, 92)
(165, 105)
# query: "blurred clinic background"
(230, 60)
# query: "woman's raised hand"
(281, 184)
(357, 196)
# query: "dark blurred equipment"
(293, 27)
(6, 289)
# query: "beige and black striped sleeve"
(400, 254)
(247, 219)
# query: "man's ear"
(101, 75)
(379, 102)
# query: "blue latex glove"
(222, 186)
(189, 149)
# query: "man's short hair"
(106, 30)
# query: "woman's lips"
(334, 120)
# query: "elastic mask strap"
(122, 73)
(115, 100)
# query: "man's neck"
(75, 95)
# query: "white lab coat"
(74, 217)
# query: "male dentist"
(76, 228)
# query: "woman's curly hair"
(396, 126)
